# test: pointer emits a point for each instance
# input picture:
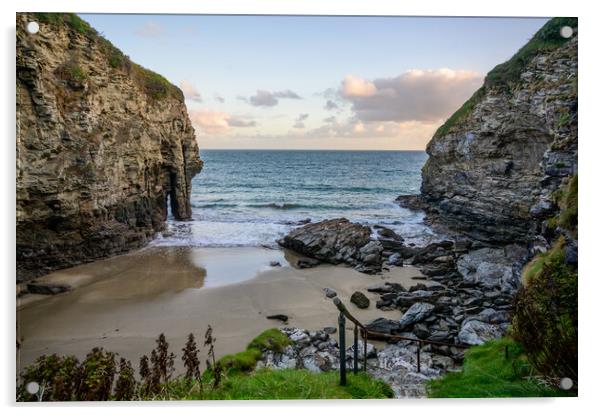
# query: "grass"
(279, 384)
(245, 361)
(155, 86)
(487, 373)
(504, 75)
(568, 217)
(535, 266)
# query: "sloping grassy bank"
(488, 373)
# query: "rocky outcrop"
(337, 241)
(494, 165)
(103, 146)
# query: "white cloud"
(150, 29)
(212, 122)
(415, 95)
(190, 91)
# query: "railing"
(343, 312)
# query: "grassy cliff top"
(504, 75)
(155, 86)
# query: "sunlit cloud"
(263, 98)
(190, 91)
(300, 121)
(214, 122)
(415, 95)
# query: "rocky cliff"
(495, 163)
(103, 145)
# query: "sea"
(254, 197)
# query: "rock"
(303, 263)
(330, 293)
(275, 264)
(489, 315)
(421, 331)
(383, 325)
(416, 313)
(281, 317)
(299, 337)
(387, 233)
(493, 267)
(370, 350)
(330, 330)
(480, 179)
(98, 159)
(360, 300)
(407, 299)
(396, 260)
(47, 288)
(337, 241)
(477, 332)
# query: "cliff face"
(495, 163)
(102, 146)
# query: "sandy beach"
(124, 303)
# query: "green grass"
(245, 361)
(486, 373)
(554, 255)
(569, 215)
(279, 384)
(504, 75)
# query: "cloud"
(263, 98)
(190, 91)
(299, 122)
(331, 105)
(415, 95)
(219, 98)
(330, 120)
(212, 122)
(150, 29)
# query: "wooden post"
(355, 350)
(343, 363)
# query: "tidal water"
(254, 197)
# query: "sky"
(318, 82)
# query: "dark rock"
(307, 263)
(383, 325)
(281, 317)
(330, 293)
(360, 300)
(416, 313)
(330, 330)
(477, 332)
(275, 264)
(337, 241)
(47, 289)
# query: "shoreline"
(123, 303)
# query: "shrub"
(57, 376)
(97, 376)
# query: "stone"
(490, 315)
(370, 350)
(330, 330)
(99, 160)
(47, 288)
(383, 325)
(480, 179)
(330, 293)
(337, 241)
(476, 332)
(303, 263)
(416, 313)
(360, 300)
(275, 264)
(281, 317)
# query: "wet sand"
(124, 303)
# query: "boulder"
(478, 332)
(383, 325)
(47, 289)
(330, 293)
(493, 267)
(416, 313)
(281, 317)
(337, 241)
(370, 350)
(360, 300)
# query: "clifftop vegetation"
(155, 86)
(506, 74)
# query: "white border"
(590, 154)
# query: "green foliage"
(280, 384)
(272, 339)
(547, 38)
(240, 362)
(487, 373)
(568, 217)
(98, 373)
(57, 376)
(563, 119)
